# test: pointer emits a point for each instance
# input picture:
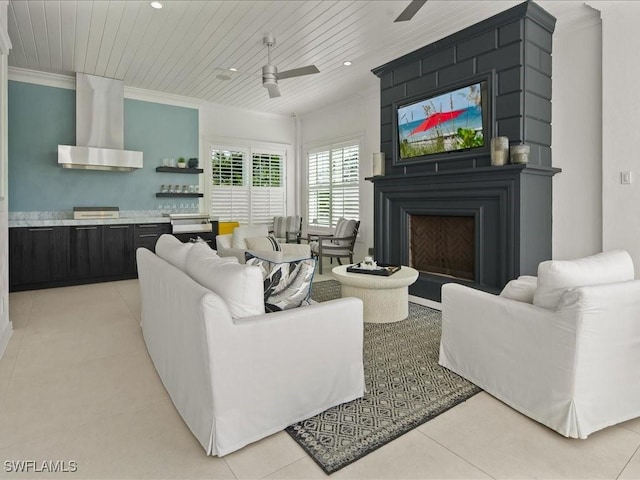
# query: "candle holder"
(520, 153)
(499, 150)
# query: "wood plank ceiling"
(182, 48)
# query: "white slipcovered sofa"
(234, 373)
(562, 348)
(254, 239)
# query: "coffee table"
(386, 299)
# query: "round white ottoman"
(386, 299)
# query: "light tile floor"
(76, 383)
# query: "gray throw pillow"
(286, 285)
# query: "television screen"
(446, 122)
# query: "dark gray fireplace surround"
(511, 204)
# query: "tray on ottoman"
(383, 269)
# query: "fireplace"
(443, 245)
(455, 217)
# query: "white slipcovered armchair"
(255, 239)
(562, 348)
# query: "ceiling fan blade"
(273, 90)
(410, 11)
(298, 72)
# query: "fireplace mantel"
(511, 235)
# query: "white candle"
(378, 163)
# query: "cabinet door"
(147, 234)
(118, 251)
(85, 252)
(38, 255)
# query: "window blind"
(247, 186)
(333, 188)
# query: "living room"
(591, 212)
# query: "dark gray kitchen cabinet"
(146, 234)
(38, 256)
(118, 250)
(85, 252)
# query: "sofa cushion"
(556, 276)
(344, 228)
(240, 286)
(521, 289)
(240, 234)
(286, 285)
(172, 250)
(267, 243)
(201, 250)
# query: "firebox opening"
(443, 245)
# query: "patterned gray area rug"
(405, 388)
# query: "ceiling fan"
(410, 10)
(270, 74)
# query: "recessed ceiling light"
(156, 5)
(233, 69)
(346, 63)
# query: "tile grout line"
(15, 360)
(628, 461)
(455, 453)
(126, 304)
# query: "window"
(247, 186)
(334, 190)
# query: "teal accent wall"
(42, 117)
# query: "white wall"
(5, 323)
(621, 135)
(577, 140)
(236, 127)
(356, 118)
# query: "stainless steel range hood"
(99, 128)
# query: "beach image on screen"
(447, 122)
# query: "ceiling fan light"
(156, 5)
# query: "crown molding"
(69, 82)
(42, 78)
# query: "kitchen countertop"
(65, 218)
(94, 221)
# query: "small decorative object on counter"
(182, 163)
(193, 163)
(499, 150)
(520, 153)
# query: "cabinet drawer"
(146, 234)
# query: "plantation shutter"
(247, 186)
(333, 187)
(229, 190)
(267, 191)
(320, 188)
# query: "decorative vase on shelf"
(520, 154)
(378, 164)
(193, 163)
(499, 150)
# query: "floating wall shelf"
(179, 194)
(179, 170)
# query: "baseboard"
(425, 302)
(5, 335)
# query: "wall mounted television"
(448, 123)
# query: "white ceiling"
(182, 47)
